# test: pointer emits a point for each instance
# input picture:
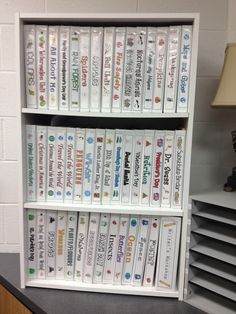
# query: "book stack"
(103, 248)
(98, 166)
(108, 69)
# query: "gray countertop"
(52, 301)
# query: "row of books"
(98, 166)
(103, 248)
(110, 69)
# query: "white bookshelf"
(34, 116)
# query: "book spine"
(121, 246)
(41, 250)
(51, 236)
(160, 69)
(31, 162)
(107, 68)
(98, 166)
(51, 158)
(107, 168)
(69, 164)
(178, 169)
(157, 168)
(137, 167)
(53, 51)
(60, 163)
(169, 251)
(79, 164)
(81, 244)
(118, 166)
(127, 167)
(167, 169)
(88, 165)
(184, 68)
(147, 166)
(130, 51)
(149, 70)
(172, 69)
(42, 66)
(118, 68)
(151, 256)
(61, 244)
(41, 162)
(32, 243)
(130, 250)
(30, 66)
(96, 68)
(74, 69)
(91, 247)
(101, 248)
(139, 65)
(84, 69)
(111, 250)
(70, 245)
(64, 68)
(141, 248)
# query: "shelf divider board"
(215, 284)
(210, 302)
(120, 209)
(218, 250)
(217, 232)
(221, 215)
(215, 267)
(102, 288)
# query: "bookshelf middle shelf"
(107, 208)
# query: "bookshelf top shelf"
(151, 115)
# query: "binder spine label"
(53, 35)
(70, 244)
(110, 259)
(118, 69)
(81, 244)
(149, 70)
(98, 166)
(79, 164)
(60, 163)
(139, 68)
(157, 168)
(108, 51)
(84, 39)
(51, 156)
(160, 68)
(69, 170)
(118, 166)
(31, 162)
(42, 48)
(127, 168)
(137, 166)
(41, 160)
(101, 248)
(129, 69)
(30, 66)
(88, 165)
(61, 244)
(96, 68)
(184, 68)
(41, 258)
(172, 69)
(51, 218)
(64, 68)
(121, 245)
(32, 246)
(74, 68)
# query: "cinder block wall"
(207, 136)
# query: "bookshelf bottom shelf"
(102, 288)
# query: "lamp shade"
(226, 93)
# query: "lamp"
(226, 98)
(226, 93)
